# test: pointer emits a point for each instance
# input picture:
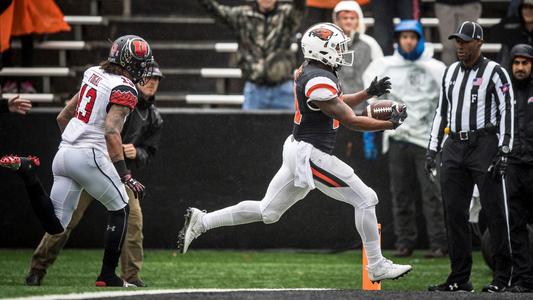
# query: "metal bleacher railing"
(77, 22)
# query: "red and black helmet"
(133, 54)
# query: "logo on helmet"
(114, 50)
(322, 33)
(140, 48)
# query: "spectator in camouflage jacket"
(264, 32)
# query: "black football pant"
(519, 182)
(464, 164)
(408, 182)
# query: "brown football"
(380, 109)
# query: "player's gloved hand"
(498, 166)
(135, 186)
(431, 165)
(398, 115)
(125, 176)
(379, 87)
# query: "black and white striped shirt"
(472, 99)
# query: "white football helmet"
(327, 43)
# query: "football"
(380, 109)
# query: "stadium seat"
(45, 73)
(78, 21)
(61, 46)
(41, 98)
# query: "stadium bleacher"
(195, 52)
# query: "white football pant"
(89, 169)
(331, 176)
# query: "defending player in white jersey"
(90, 155)
(307, 160)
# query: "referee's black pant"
(465, 163)
(519, 182)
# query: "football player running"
(307, 160)
(90, 155)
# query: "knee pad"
(270, 217)
(372, 198)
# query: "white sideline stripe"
(96, 295)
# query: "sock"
(114, 239)
(243, 213)
(367, 226)
(41, 204)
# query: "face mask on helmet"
(328, 44)
(346, 56)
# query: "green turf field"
(76, 271)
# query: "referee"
(476, 111)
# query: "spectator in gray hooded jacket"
(349, 17)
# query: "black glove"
(135, 186)
(398, 115)
(498, 166)
(378, 88)
(431, 165)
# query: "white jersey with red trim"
(98, 91)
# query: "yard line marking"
(95, 295)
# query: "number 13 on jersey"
(87, 96)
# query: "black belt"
(472, 135)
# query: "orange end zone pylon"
(367, 284)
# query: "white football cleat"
(386, 269)
(192, 228)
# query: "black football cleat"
(452, 287)
(34, 278)
(494, 288)
(137, 282)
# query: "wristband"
(121, 168)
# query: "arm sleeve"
(123, 95)
(321, 89)
(504, 96)
(4, 108)
(440, 121)
(147, 150)
(226, 14)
